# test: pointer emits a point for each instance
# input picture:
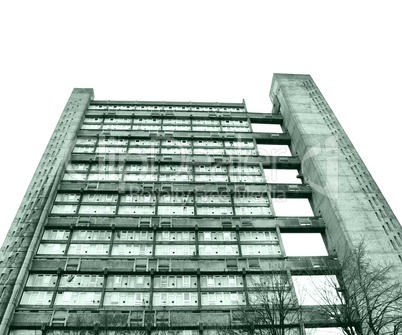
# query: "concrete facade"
(27, 227)
(147, 216)
(344, 193)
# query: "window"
(88, 249)
(176, 151)
(207, 144)
(258, 236)
(144, 150)
(116, 281)
(239, 144)
(214, 211)
(125, 235)
(56, 235)
(241, 152)
(140, 177)
(205, 122)
(213, 198)
(246, 179)
(175, 236)
(112, 142)
(208, 151)
(235, 123)
(186, 281)
(131, 249)
(77, 167)
(25, 332)
(116, 127)
(117, 120)
(51, 249)
(140, 281)
(92, 235)
(147, 121)
(91, 127)
(213, 249)
(210, 169)
(176, 128)
(175, 210)
(67, 197)
(221, 281)
(245, 170)
(176, 121)
(116, 297)
(217, 236)
(175, 250)
(185, 235)
(260, 249)
(210, 281)
(235, 129)
(110, 150)
(144, 143)
(94, 209)
(136, 210)
(106, 168)
(126, 299)
(207, 236)
(104, 177)
(64, 209)
(222, 298)
(206, 128)
(132, 198)
(97, 197)
(75, 280)
(175, 282)
(164, 281)
(175, 299)
(36, 298)
(143, 169)
(251, 199)
(41, 280)
(175, 168)
(211, 178)
(227, 236)
(253, 211)
(175, 177)
(175, 199)
(83, 150)
(268, 281)
(146, 127)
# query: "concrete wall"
(22, 237)
(344, 192)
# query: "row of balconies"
(185, 322)
(193, 223)
(142, 265)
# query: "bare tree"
(271, 310)
(364, 298)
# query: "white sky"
(199, 51)
(312, 244)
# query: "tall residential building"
(150, 216)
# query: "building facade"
(162, 216)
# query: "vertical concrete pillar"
(344, 192)
(25, 232)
